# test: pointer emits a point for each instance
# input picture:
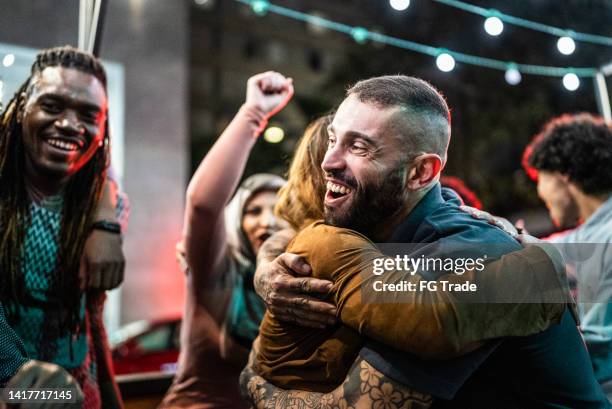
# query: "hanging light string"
(532, 25)
(361, 35)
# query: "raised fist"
(269, 91)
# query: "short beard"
(373, 204)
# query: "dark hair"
(415, 96)
(578, 146)
(403, 91)
(81, 198)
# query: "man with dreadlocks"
(54, 152)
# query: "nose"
(69, 123)
(334, 159)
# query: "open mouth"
(336, 191)
(64, 145)
(264, 236)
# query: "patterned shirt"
(38, 324)
(12, 351)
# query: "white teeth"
(67, 146)
(338, 189)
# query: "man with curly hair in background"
(571, 159)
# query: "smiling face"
(63, 118)
(555, 191)
(259, 221)
(365, 166)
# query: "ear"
(425, 168)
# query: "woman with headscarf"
(220, 243)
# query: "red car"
(147, 346)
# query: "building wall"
(150, 39)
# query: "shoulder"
(321, 234)
(320, 242)
(451, 224)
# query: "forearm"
(520, 293)
(363, 387)
(264, 395)
(107, 205)
(211, 188)
(220, 171)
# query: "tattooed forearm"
(364, 387)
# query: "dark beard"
(372, 204)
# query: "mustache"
(344, 178)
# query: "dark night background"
(492, 121)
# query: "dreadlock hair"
(81, 197)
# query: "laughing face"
(364, 167)
(63, 119)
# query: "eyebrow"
(355, 134)
(88, 106)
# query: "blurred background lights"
(445, 62)
(8, 60)
(493, 26)
(360, 34)
(566, 45)
(260, 7)
(205, 4)
(512, 75)
(274, 134)
(399, 5)
(571, 81)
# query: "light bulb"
(274, 134)
(399, 5)
(513, 75)
(566, 45)
(571, 82)
(445, 62)
(493, 26)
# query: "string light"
(566, 45)
(571, 81)
(445, 62)
(399, 5)
(361, 35)
(260, 7)
(513, 75)
(493, 26)
(532, 25)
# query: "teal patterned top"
(38, 323)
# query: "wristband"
(107, 226)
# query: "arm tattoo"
(364, 387)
